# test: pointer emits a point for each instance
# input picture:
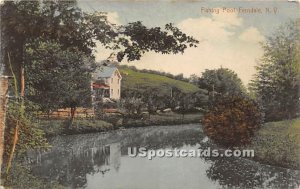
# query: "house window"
(118, 91)
(111, 91)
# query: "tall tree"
(277, 81)
(221, 81)
(57, 78)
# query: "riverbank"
(278, 144)
(53, 127)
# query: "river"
(101, 161)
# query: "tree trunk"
(3, 102)
(22, 92)
(73, 110)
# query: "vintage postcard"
(140, 94)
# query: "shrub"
(232, 120)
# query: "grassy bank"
(278, 143)
(163, 119)
(54, 127)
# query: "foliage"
(277, 82)
(63, 21)
(21, 177)
(143, 39)
(221, 81)
(152, 99)
(57, 78)
(194, 79)
(185, 103)
(132, 103)
(232, 121)
(30, 136)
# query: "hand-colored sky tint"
(228, 40)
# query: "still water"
(101, 161)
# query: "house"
(106, 83)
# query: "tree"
(132, 103)
(232, 121)
(151, 99)
(221, 81)
(185, 103)
(57, 78)
(277, 82)
(201, 99)
(133, 106)
(194, 79)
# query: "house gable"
(109, 78)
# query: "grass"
(278, 143)
(286, 127)
(138, 80)
(164, 119)
(54, 127)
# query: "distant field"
(139, 81)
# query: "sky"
(229, 34)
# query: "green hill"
(136, 80)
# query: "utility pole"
(213, 92)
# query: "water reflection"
(70, 167)
(90, 161)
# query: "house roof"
(104, 71)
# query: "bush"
(232, 121)
(20, 176)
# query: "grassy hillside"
(139, 81)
